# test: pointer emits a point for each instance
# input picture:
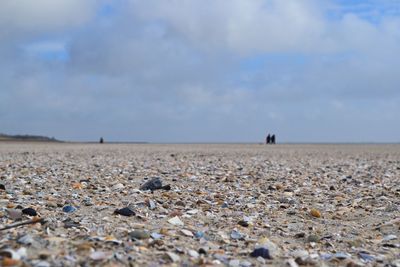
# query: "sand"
(321, 205)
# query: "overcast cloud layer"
(201, 70)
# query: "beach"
(220, 204)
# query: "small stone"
(341, 255)
(117, 187)
(315, 213)
(300, 254)
(187, 232)
(243, 223)
(154, 184)
(192, 212)
(152, 204)
(68, 209)
(245, 263)
(99, 255)
(193, 253)
(300, 235)
(176, 221)
(25, 240)
(366, 257)
(199, 234)
(14, 214)
(41, 264)
(173, 257)
(236, 235)
(125, 212)
(156, 236)
(87, 201)
(260, 252)
(139, 234)
(29, 212)
(2, 187)
(313, 238)
(202, 251)
(234, 263)
(389, 237)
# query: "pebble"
(117, 187)
(366, 257)
(187, 232)
(315, 213)
(176, 221)
(2, 187)
(139, 234)
(99, 255)
(42, 264)
(243, 223)
(389, 237)
(341, 255)
(173, 257)
(193, 253)
(14, 214)
(261, 252)
(152, 204)
(125, 212)
(25, 240)
(199, 234)
(313, 238)
(236, 235)
(29, 212)
(153, 184)
(68, 209)
(234, 263)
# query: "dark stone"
(154, 184)
(2, 187)
(125, 212)
(243, 223)
(166, 187)
(261, 252)
(29, 211)
(300, 235)
(202, 251)
(69, 209)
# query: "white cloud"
(26, 17)
(240, 26)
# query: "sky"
(201, 70)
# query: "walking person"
(268, 139)
(273, 139)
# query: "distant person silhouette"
(101, 140)
(268, 139)
(273, 139)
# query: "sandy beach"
(226, 205)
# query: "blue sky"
(201, 70)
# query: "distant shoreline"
(27, 138)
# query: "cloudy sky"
(201, 70)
